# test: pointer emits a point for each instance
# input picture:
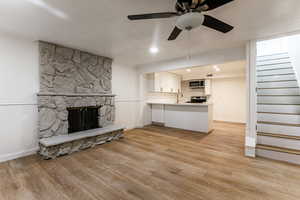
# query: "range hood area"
(196, 84)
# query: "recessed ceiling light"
(154, 50)
(188, 70)
(217, 69)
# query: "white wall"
(204, 59)
(125, 84)
(229, 99)
(19, 84)
(289, 44)
(273, 46)
(293, 46)
(161, 97)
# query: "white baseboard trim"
(230, 122)
(133, 127)
(12, 156)
(139, 127)
(117, 100)
(250, 141)
(250, 151)
(250, 147)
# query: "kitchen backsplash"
(156, 97)
(187, 92)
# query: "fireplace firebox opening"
(83, 118)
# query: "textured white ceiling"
(229, 69)
(101, 26)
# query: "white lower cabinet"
(194, 118)
(158, 114)
(187, 117)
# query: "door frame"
(251, 133)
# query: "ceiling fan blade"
(153, 16)
(216, 24)
(175, 33)
(212, 4)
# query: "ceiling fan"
(189, 13)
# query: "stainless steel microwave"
(197, 84)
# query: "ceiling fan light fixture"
(190, 21)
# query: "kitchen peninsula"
(187, 116)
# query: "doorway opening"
(175, 97)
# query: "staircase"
(278, 107)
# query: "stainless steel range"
(198, 99)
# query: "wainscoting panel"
(19, 131)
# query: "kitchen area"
(184, 98)
(179, 108)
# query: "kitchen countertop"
(181, 104)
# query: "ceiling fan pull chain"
(189, 46)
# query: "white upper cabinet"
(164, 82)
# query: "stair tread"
(273, 54)
(288, 80)
(283, 87)
(280, 95)
(273, 69)
(265, 88)
(279, 135)
(275, 75)
(280, 104)
(278, 149)
(278, 113)
(273, 64)
(270, 59)
(278, 123)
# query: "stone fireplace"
(53, 111)
(71, 79)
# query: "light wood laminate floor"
(154, 163)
